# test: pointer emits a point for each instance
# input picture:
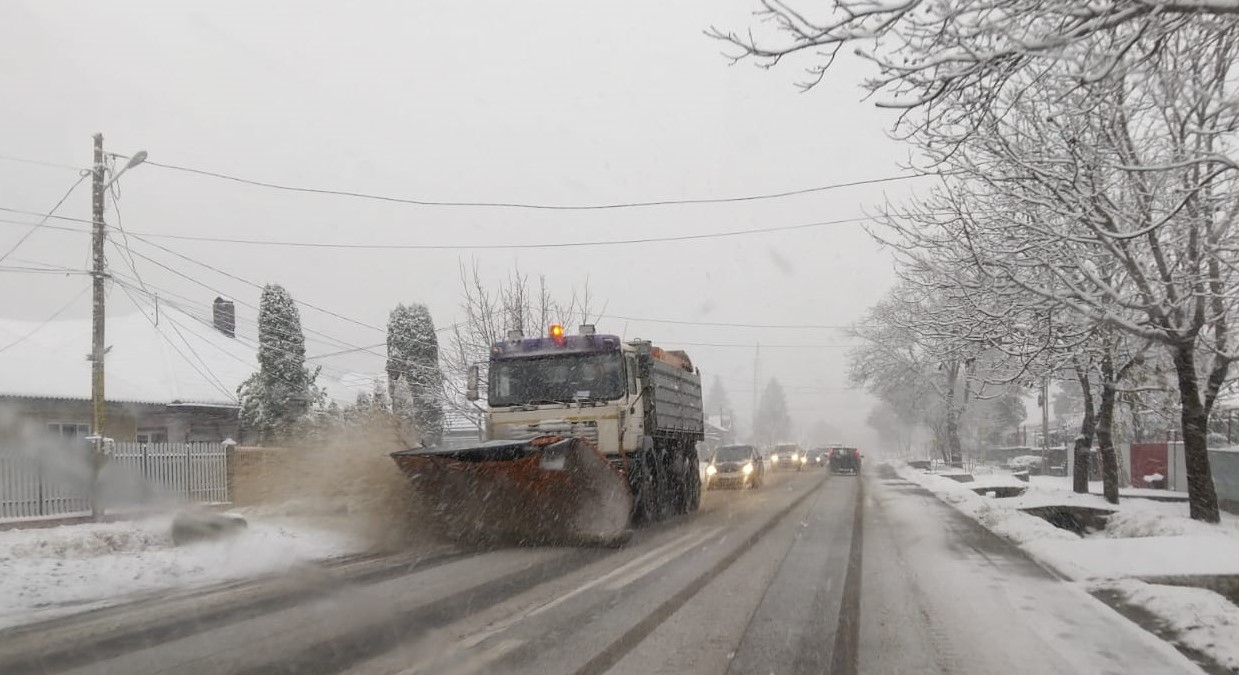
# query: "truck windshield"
(556, 379)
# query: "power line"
(520, 205)
(467, 247)
(244, 281)
(724, 324)
(46, 321)
(36, 162)
(45, 226)
(49, 214)
(40, 270)
(120, 225)
(350, 348)
(755, 345)
(208, 375)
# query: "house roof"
(177, 359)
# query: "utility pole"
(97, 324)
(756, 358)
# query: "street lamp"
(138, 158)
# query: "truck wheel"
(694, 487)
(664, 489)
(645, 510)
(688, 486)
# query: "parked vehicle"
(845, 460)
(736, 466)
(787, 457)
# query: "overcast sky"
(555, 102)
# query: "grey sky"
(553, 102)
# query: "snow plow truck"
(585, 437)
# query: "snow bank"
(59, 570)
(1142, 537)
(995, 514)
(1203, 620)
(1100, 558)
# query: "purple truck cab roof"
(546, 346)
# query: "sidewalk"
(1144, 541)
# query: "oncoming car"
(735, 466)
(816, 458)
(787, 456)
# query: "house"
(718, 431)
(171, 376)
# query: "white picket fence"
(135, 474)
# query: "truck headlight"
(748, 468)
(804, 458)
(710, 470)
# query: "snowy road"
(809, 574)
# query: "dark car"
(735, 466)
(817, 459)
(845, 460)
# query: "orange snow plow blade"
(546, 490)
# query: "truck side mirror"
(471, 385)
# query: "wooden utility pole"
(97, 324)
(756, 404)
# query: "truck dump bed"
(677, 398)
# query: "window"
(152, 435)
(68, 429)
(199, 433)
(632, 376)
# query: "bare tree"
(951, 59)
(489, 311)
(1126, 216)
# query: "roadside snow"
(47, 572)
(995, 514)
(1092, 558)
(1142, 538)
(1203, 620)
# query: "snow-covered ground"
(1203, 620)
(60, 570)
(1142, 539)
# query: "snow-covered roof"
(180, 359)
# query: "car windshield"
(733, 453)
(786, 449)
(556, 379)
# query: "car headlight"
(710, 470)
(774, 458)
(748, 468)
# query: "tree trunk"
(1080, 454)
(1201, 495)
(1105, 435)
(953, 446)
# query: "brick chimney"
(225, 316)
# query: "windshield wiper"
(545, 401)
